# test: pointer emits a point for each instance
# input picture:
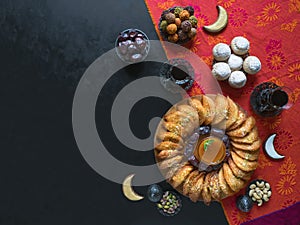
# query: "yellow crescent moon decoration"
(128, 191)
(220, 23)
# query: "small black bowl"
(164, 35)
(177, 210)
(254, 182)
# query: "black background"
(45, 47)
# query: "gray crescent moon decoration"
(270, 149)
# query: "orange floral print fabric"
(272, 27)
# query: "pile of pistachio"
(260, 192)
(168, 203)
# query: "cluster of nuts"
(169, 203)
(260, 192)
(233, 62)
(178, 24)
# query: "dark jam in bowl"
(279, 98)
(176, 73)
(268, 99)
(194, 149)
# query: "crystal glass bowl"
(132, 45)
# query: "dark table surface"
(45, 47)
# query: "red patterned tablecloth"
(273, 29)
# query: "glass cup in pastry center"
(210, 150)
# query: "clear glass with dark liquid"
(178, 72)
(269, 99)
(177, 75)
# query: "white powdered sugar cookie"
(240, 45)
(252, 65)
(221, 71)
(237, 79)
(221, 52)
(235, 62)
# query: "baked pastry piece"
(173, 136)
(241, 118)
(170, 162)
(235, 62)
(186, 117)
(214, 185)
(221, 71)
(233, 182)
(189, 182)
(172, 170)
(244, 129)
(226, 190)
(237, 79)
(168, 153)
(252, 65)
(248, 155)
(209, 109)
(248, 139)
(221, 52)
(197, 104)
(206, 196)
(243, 164)
(247, 147)
(169, 136)
(205, 107)
(221, 109)
(196, 189)
(181, 175)
(238, 172)
(240, 45)
(232, 113)
(168, 145)
(175, 128)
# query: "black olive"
(244, 203)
